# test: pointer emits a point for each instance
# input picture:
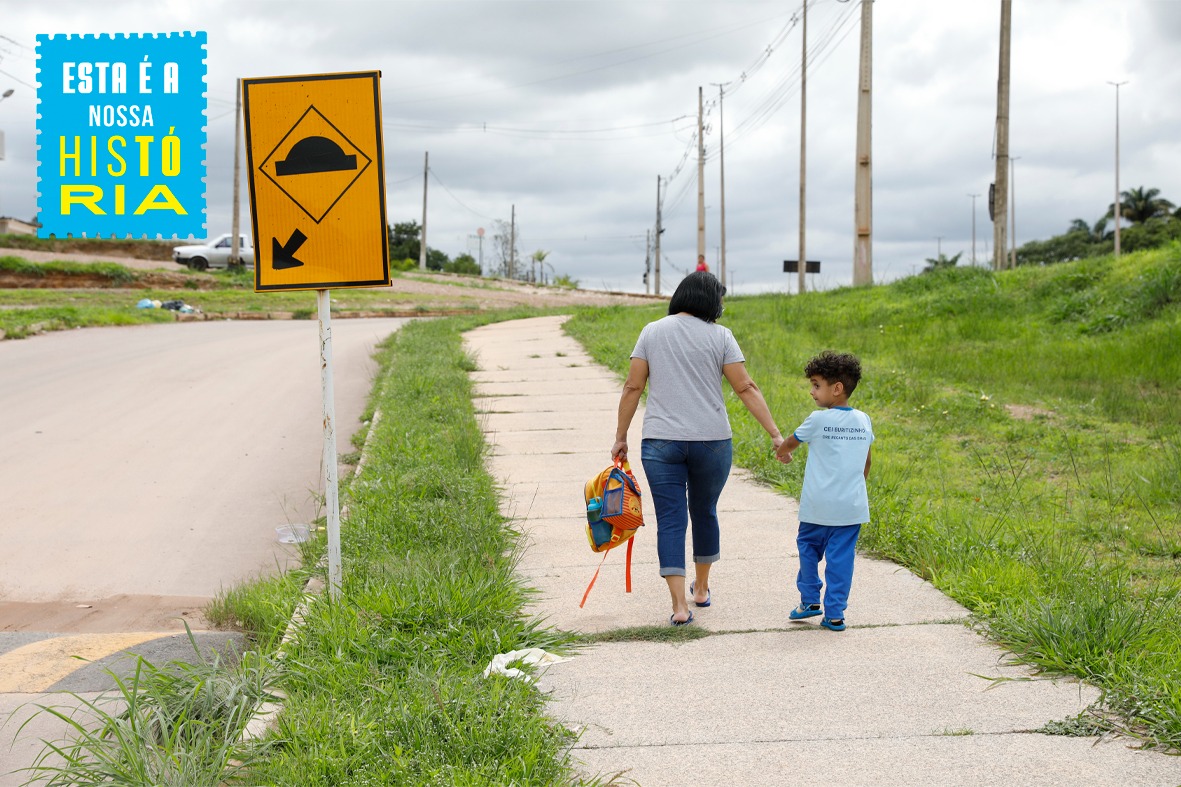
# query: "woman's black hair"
(700, 294)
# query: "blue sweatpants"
(836, 545)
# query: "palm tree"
(1096, 233)
(1140, 204)
(538, 258)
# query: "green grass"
(176, 724)
(385, 685)
(1027, 458)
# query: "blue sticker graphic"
(121, 135)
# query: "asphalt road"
(142, 470)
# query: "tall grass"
(176, 725)
(385, 685)
(1027, 459)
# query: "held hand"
(776, 442)
(619, 450)
(781, 452)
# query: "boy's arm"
(788, 447)
(868, 461)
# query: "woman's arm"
(752, 398)
(633, 386)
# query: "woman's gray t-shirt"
(685, 357)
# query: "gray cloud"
(570, 110)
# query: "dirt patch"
(1025, 412)
(106, 615)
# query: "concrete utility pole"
(973, 196)
(1118, 205)
(863, 192)
(1000, 208)
(647, 261)
(722, 186)
(1013, 211)
(803, 139)
(512, 245)
(659, 232)
(426, 161)
(235, 250)
(700, 177)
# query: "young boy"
(834, 503)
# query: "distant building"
(11, 226)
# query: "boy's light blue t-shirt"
(685, 357)
(834, 477)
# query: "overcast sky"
(570, 109)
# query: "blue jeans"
(686, 478)
(836, 545)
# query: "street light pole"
(1118, 206)
(973, 196)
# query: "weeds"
(1060, 532)
(179, 724)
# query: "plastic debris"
(500, 662)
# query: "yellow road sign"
(317, 181)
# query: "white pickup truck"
(214, 253)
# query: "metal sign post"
(317, 206)
(331, 482)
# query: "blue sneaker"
(833, 624)
(804, 611)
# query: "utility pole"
(803, 138)
(938, 247)
(700, 176)
(235, 228)
(647, 260)
(973, 196)
(1118, 206)
(422, 247)
(863, 191)
(722, 184)
(999, 208)
(512, 245)
(659, 232)
(1013, 211)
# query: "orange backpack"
(613, 515)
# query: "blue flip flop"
(673, 621)
(708, 596)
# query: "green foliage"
(178, 724)
(463, 263)
(1026, 460)
(563, 280)
(405, 240)
(385, 686)
(942, 261)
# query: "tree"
(538, 258)
(1098, 232)
(463, 263)
(942, 261)
(1140, 204)
(405, 240)
(504, 247)
(436, 260)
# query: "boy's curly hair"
(836, 367)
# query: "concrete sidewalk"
(904, 696)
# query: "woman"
(686, 448)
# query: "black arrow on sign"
(283, 257)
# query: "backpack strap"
(596, 576)
(627, 572)
(631, 542)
